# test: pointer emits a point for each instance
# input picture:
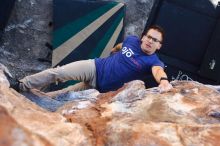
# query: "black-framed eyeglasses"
(153, 39)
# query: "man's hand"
(113, 50)
(165, 86)
(116, 48)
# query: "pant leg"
(84, 71)
(76, 87)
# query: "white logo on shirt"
(127, 51)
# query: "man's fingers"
(165, 88)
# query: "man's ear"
(142, 38)
(159, 46)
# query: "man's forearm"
(161, 78)
(158, 73)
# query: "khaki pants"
(84, 71)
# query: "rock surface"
(188, 115)
(13, 134)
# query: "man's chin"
(147, 52)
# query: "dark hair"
(155, 27)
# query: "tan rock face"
(135, 116)
(12, 134)
(188, 115)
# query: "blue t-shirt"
(130, 63)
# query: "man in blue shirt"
(131, 60)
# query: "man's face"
(151, 41)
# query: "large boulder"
(187, 115)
